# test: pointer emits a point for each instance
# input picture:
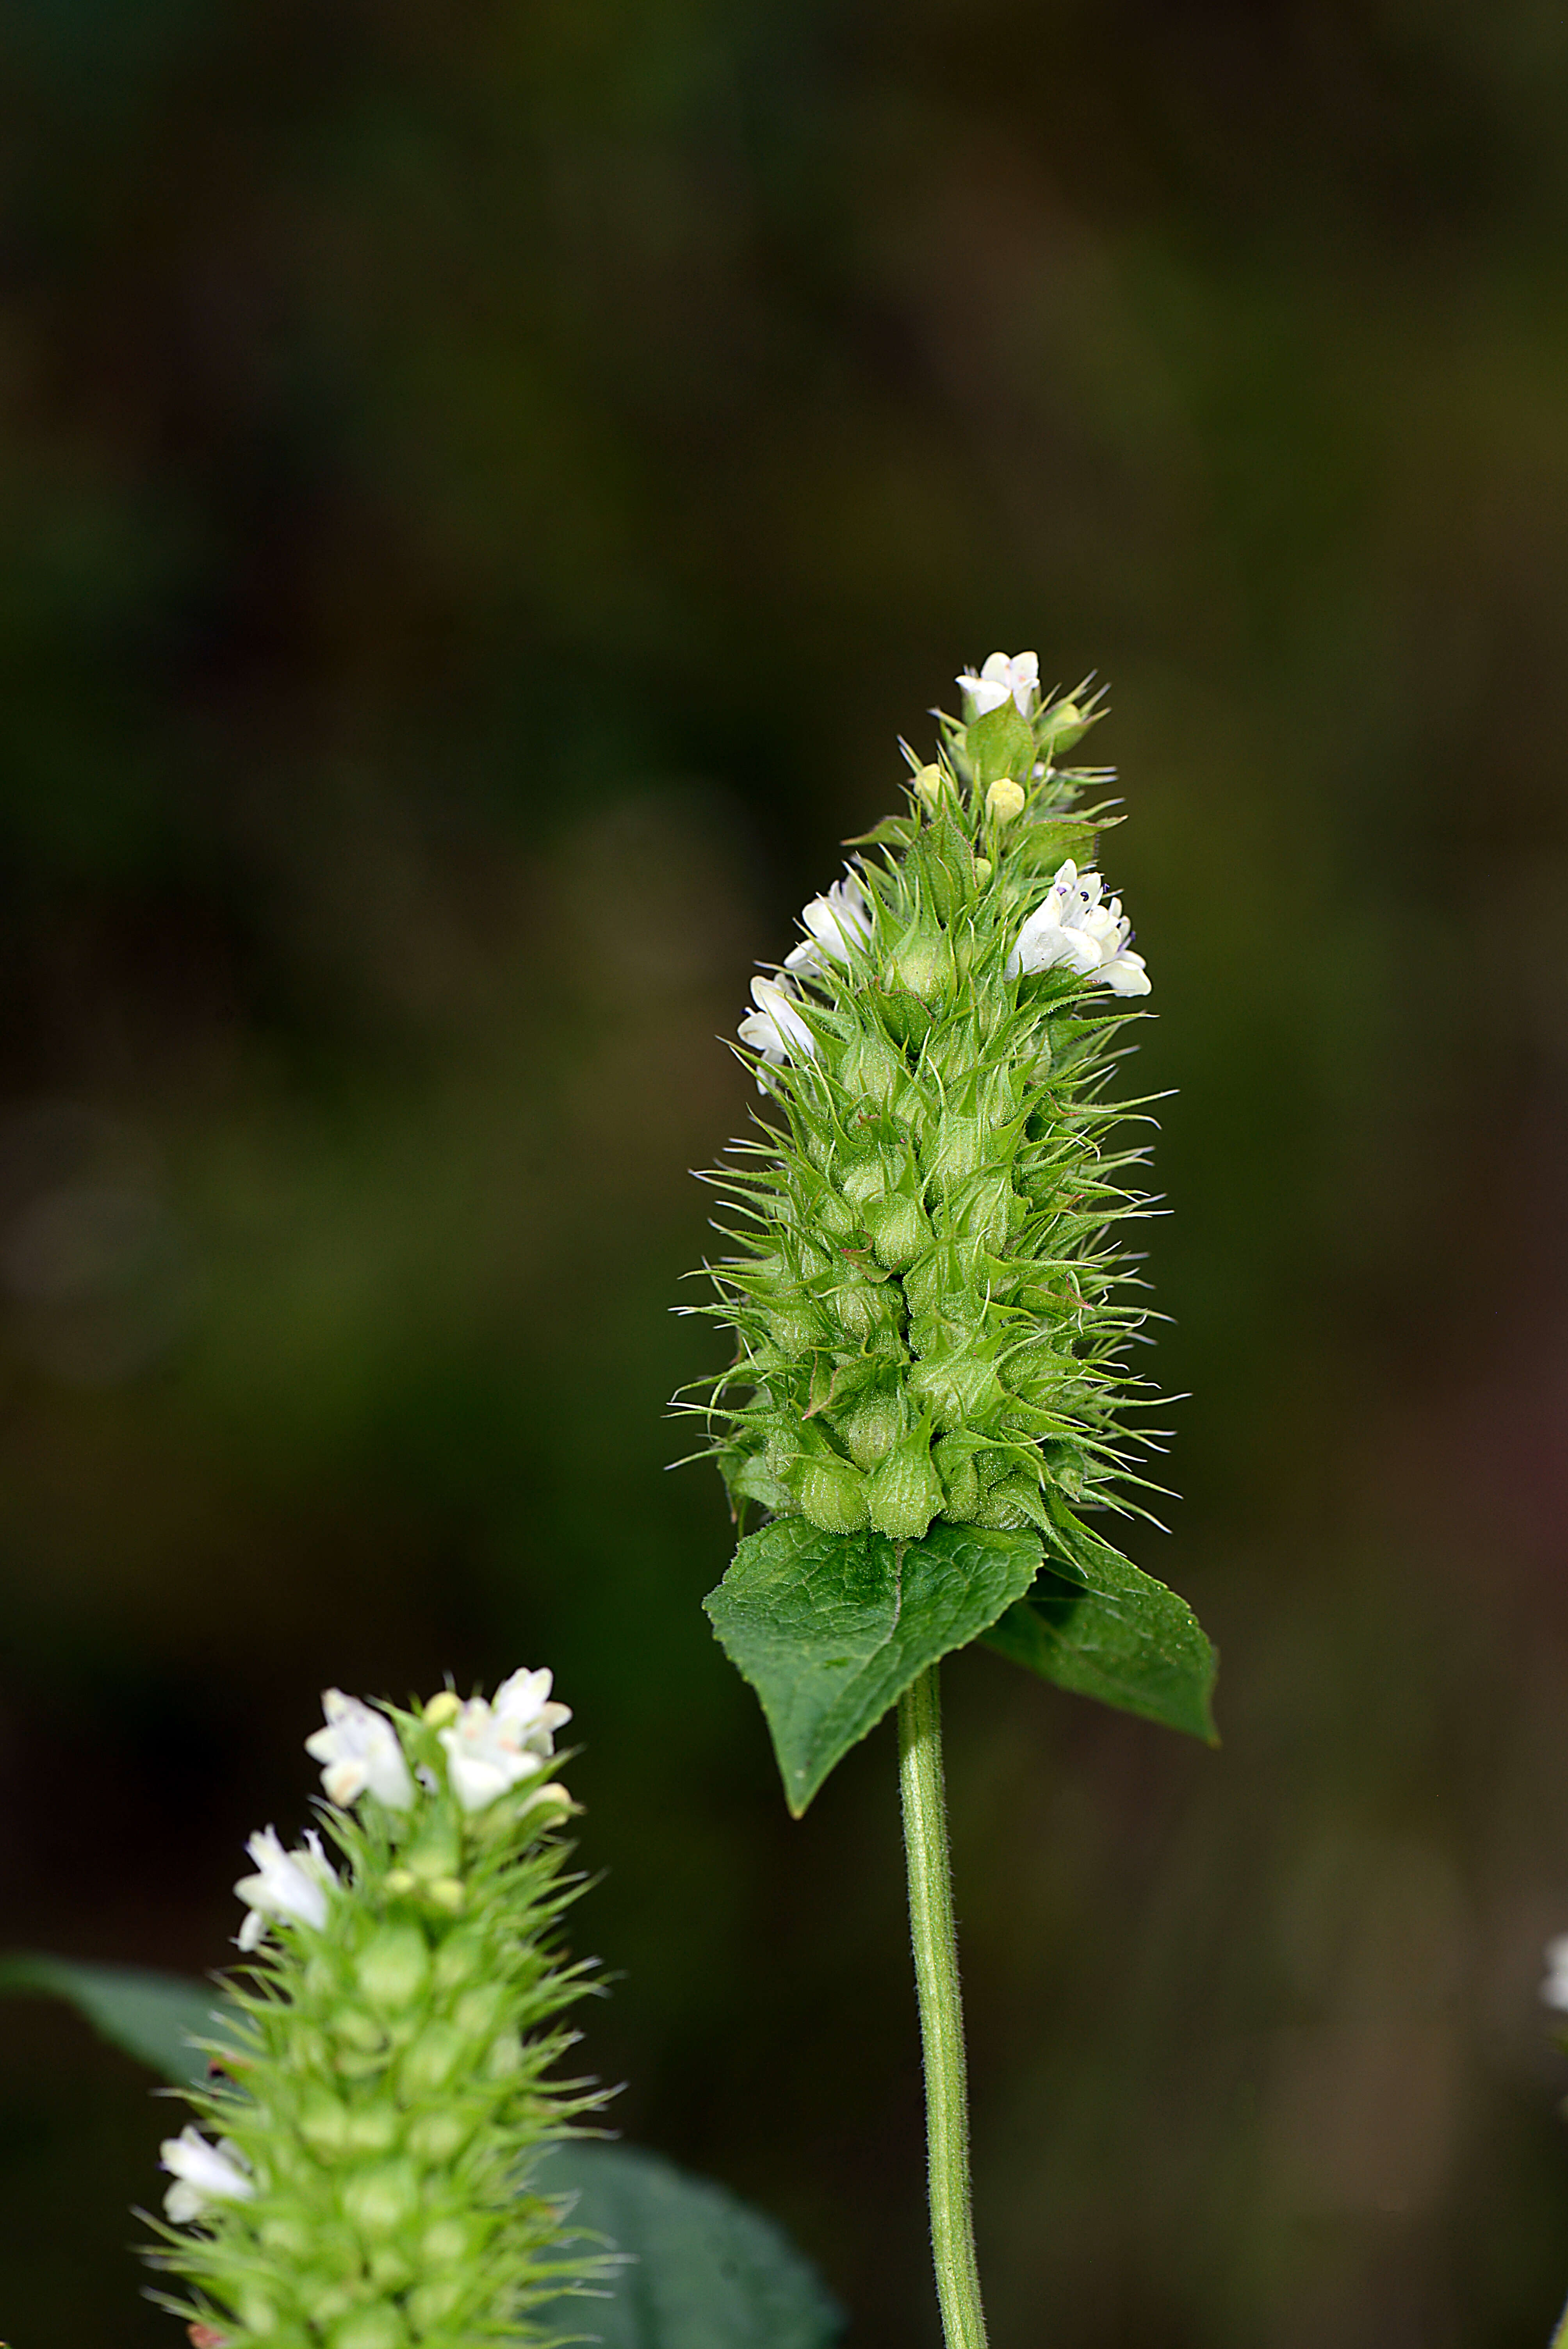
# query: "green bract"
(931, 1304)
(381, 2091)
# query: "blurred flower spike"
(359, 2172)
(930, 1306)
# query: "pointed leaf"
(703, 2271)
(1124, 1639)
(152, 2016)
(831, 1628)
(1001, 743)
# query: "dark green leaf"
(705, 2272)
(1041, 847)
(831, 1628)
(151, 2016)
(1124, 1639)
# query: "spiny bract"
(927, 1296)
(380, 2088)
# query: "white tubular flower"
(202, 2173)
(1075, 926)
(360, 1752)
(776, 1028)
(835, 925)
(288, 1884)
(1000, 676)
(1555, 1989)
(491, 1748)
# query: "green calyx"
(383, 2089)
(929, 1297)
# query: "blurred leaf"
(705, 2271)
(150, 2015)
(830, 1628)
(1124, 1639)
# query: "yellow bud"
(981, 871)
(1005, 800)
(401, 1880)
(446, 1892)
(443, 1707)
(928, 783)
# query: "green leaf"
(1001, 743)
(705, 2272)
(831, 1628)
(1124, 1639)
(152, 2016)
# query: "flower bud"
(869, 1429)
(904, 1493)
(380, 2201)
(394, 1967)
(927, 783)
(380, 2327)
(923, 962)
(831, 1494)
(1005, 800)
(899, 1229)
(431, 2061)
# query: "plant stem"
(941, 2010)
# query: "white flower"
(1074, 925)
(776, 1028)
(359, 1747)
(293, 1884)
(1555, 1989)
(490, 1748)
(835, 925)
(202, 2173)
(1000, 676)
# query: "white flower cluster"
(202, 2174)
(1077, 926)
(491, 1749)
(290, 1887)
(835, 925)
(359, 1747)
(1004, 676)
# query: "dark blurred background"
(482, 486)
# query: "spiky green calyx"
(928, 1293)
(384, 2089)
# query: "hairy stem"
(941, 2010)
